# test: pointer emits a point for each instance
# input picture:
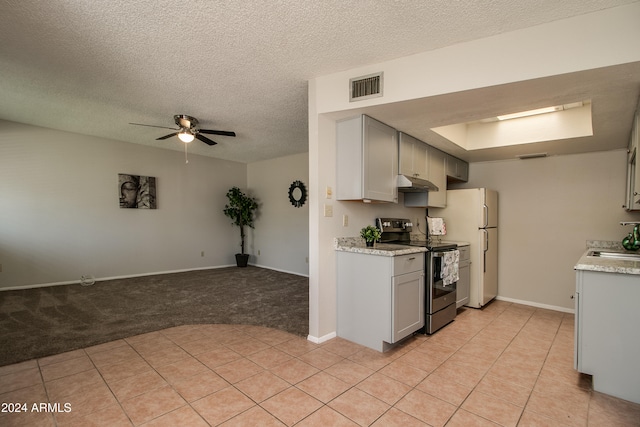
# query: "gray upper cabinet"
(437, 175)
(457, 169)
(367, 160)
(632, 199)
(439, 167)
(414, 156)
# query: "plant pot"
(242, 260)
(369, 244)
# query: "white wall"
(281, 231)
(604, 38)
(60, 218)
(548, 208)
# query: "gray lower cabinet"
(606, 331)
(464, 273)
(380, 299)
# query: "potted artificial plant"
(370, 234)
(241, 209)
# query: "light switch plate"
(329, 192)
(328, 210)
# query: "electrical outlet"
(345, 220)
(328, 210)
(307, 260)
(258, 251)
(202, 253)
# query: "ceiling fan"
(188, 129)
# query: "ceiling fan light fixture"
(186, 136)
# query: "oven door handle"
(439, 253)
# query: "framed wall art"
(137, 191)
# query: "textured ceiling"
(92, 67)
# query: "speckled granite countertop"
(356, 244)
(607, 265)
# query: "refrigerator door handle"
(485, 249)
(485, 212)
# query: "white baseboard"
(537, 305)
(280, 270)
(322, 339)
(128, 276)
(101, 279)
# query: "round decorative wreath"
(298, 199)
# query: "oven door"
(439, 296)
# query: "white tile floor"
(505, 365)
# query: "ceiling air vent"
(531, 156)
(365, 87)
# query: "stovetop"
(398, 231)
(431, 245)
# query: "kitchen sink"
(614, 255)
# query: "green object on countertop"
(632, 241)
(370, 234)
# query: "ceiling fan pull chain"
(186, 159)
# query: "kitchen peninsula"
(380, 292)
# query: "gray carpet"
(44, 321)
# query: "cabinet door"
(631, 193)
(634, 191)
(413, 157)
(577, 340)
(405, 157)
(437, 175)
(380, 161)
(462, 286)
(408, 304)
(462, 170)
(456, 168)
(421, 160)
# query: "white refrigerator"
(471, 215)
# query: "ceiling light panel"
(530, 113)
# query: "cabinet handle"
(411, 259)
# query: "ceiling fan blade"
(217, 132)
(167, 136)
(205, 139)
(152, 126)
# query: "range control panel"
(394, 225)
